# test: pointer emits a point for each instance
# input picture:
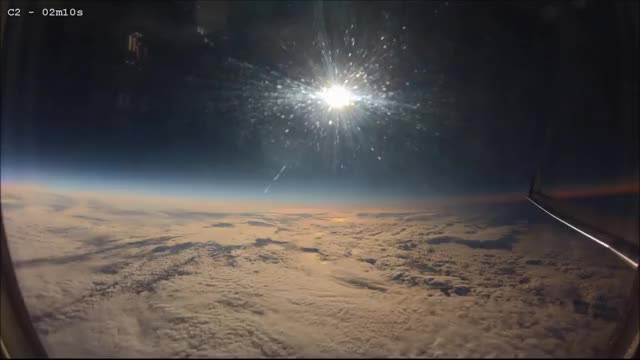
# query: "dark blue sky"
(490, 77)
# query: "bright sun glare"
(337, 97)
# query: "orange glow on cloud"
(621, 188)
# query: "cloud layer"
(145, 277)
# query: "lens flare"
(340, 101)
(336, 97)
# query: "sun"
(336, 97)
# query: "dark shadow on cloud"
(404, 216)
(59, 203)
(259, 242)
(260, 223)
(109, 209)
(290, 218)
(138, 243)
(104, 289)
(195, 214)
(62, 260)
(97, 205)
(221, 225)
(284, 220)
(100, 240)
(89, 218)
(175, 270)
(173, 249)
(12, 197)
(185, 214)
(216, 249)
(11, 206)
(421, 217)
(12, 202)
(58, 207)
(400, 231)
(128, 212)
(250, 215)
(112, 269)
(267, 241)
(61, 230)
(219, 249)
(302, 215)
(387, 214)
(361, 283)
(503, 243)
(423, 267)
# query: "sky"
(443, 97)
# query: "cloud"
(142, 291)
